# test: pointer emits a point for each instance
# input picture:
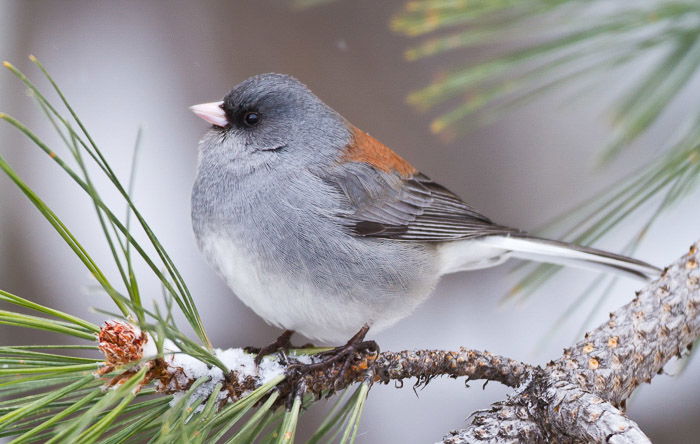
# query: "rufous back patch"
(365, 148)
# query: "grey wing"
(385, 205)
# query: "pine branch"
(581, 396)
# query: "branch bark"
(581, 396)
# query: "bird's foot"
(344, 357)
(282, 344)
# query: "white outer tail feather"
(562, 253)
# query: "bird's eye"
(251, 118)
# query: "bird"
(323, 230)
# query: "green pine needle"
(353, 423)
(567, 49)
(288, 429)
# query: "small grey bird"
(321, 229)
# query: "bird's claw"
(345, 355)
(281, 345)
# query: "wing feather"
(387, 205)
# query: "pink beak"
(211, 112)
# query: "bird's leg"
(345, 354)
(283, 343)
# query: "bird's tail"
(556, 252)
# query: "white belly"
(293, 304)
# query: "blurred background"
(131, 64)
